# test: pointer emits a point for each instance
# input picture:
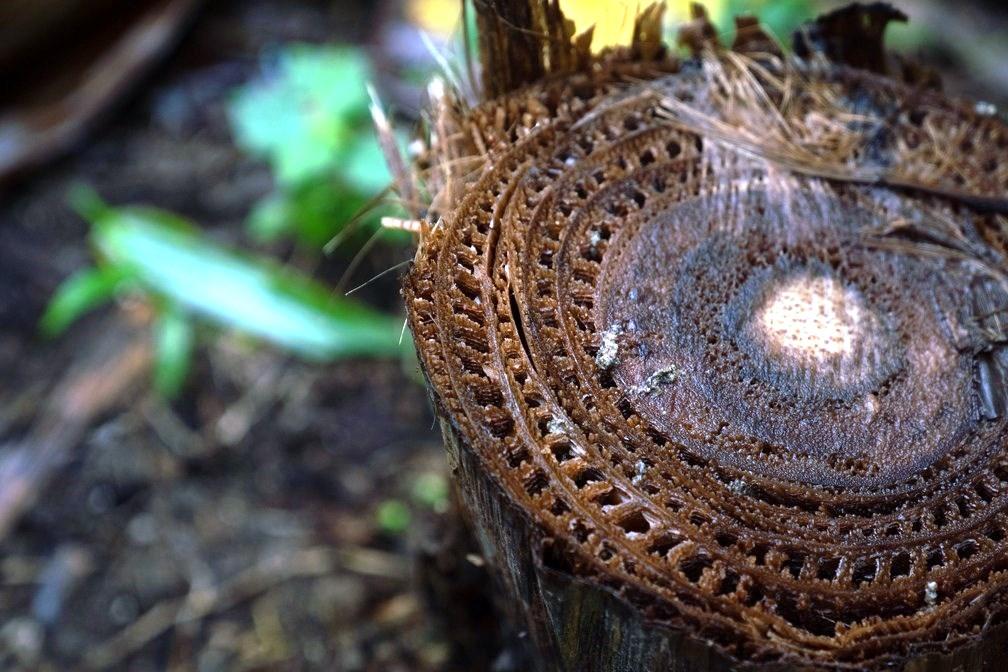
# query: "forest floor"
(236, 528)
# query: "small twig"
(238, 418)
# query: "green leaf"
(314, 212)
(393, 516)
(431, 489)
(365, 168)
(173, 346)
(252, 295)
(302, 118)
(86, 202)
(270, 218)
(78, 294)
(309, 119)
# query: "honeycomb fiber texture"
(763, 405)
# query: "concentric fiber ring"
(705, 381)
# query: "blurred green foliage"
(184, 275)
(393, 516)
(173, 347)
(781, 17)
(307, 116)
(302, 117)
(80, 293)
(431, 489)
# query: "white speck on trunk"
(609, 350)
(931, 593)
(659, 378)
(556, 426)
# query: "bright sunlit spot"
(440, 17)
(613, 19)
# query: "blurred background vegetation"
(215, 453)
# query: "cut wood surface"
(718, 346)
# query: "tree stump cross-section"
(717, 347)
